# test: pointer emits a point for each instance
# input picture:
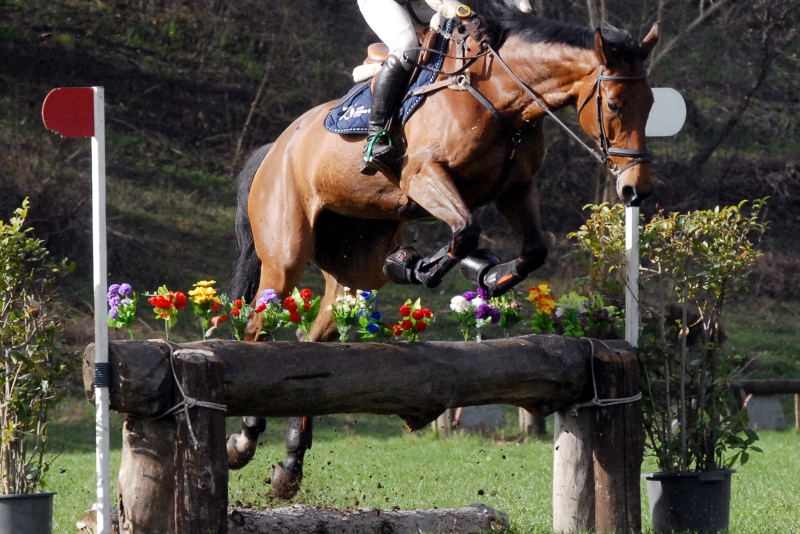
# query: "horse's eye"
(614, 107)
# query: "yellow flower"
(544, 288)
(203, 292)
(545, 305)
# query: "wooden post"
(797, 411)
(618, 444)
(573, 472)
(531, 425)
(444, 424)
(165, 484)
(201, 490)
(146, 484)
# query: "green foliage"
(33, 364)
(690, 265)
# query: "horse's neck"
(556, 73)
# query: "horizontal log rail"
(768, 386)
(417, 381)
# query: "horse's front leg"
(434, 190)
(520, 207)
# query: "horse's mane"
(505, 20)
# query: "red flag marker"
(69, 111)
(80, 112)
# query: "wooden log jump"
(168, 484)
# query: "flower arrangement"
(166, 305)
(474, 311)
(239, 312)
(205, 302)
(301, 310)
(414, 319)
(572, 315)
(510, 311)
(121, 306)
(268, 305)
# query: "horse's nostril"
(629, 196)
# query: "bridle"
(639, 155)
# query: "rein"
(638, 155)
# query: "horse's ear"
(649, 42)
(604, 51)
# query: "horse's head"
(614, 108)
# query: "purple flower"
(267, 296)
(114, 301)
(113, 313)
(124, 289)
(482, 293)
(469, 295)
(112, 291)
(488, 312)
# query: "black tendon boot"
(381, 154)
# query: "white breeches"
(393, 25)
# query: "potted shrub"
(31, 369)
(691, 264)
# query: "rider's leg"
(394, 27)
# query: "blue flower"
(376, 316)
(373, 328)
(362, 313)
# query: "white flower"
(476, 302)
(459, 304)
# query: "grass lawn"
(369, 460)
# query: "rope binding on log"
(596, 401)
(187, 402)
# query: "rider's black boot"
(381, 154)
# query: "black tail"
(247, 270)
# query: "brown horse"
(306, 200)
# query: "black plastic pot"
(30, 513)
(690, 502)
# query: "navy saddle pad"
(351, 114)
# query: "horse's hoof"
(240, 450)
(285, 483)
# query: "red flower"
(427, 312)
(421, 326)
(305, 294)
(237, 303)
(406, 325)
(261, 307)
(306, 306)
(294, 316)
(179, 299)
(235, 312)
(215, 306)
(405, 310)
(160, 301)
(396, 330)
(215, 321)
(417, 315)
(290, 304)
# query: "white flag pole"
(632, 267)
(100, 265)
